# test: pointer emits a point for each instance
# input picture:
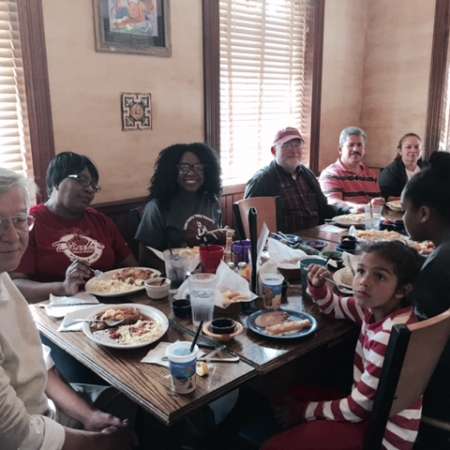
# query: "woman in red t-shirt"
(69, 239)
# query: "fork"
(108, 323)
(339, 286)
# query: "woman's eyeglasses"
(85, 182)
(186, 168)
(21, 222)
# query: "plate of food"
(231, 296)
(125, 326)
(344, 280)
(395, 205)
(347, 220)
(424, 248)
(380, 235)
(282, 324)
(127, 280)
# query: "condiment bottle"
(227, 255)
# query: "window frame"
(34, 55)
(211, 77)
(439, 66)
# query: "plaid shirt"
(301, 202)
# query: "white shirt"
(410, 173)
(24, 424)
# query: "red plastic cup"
(210, 257)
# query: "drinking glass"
(202, 290)
(177, 266)
(210, 257)
(372, 216)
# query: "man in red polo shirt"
(348, 181)
(301, 203)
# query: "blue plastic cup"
(182, 364)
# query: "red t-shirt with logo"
(55, 242)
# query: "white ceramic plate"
(101, 339)
(344, 278)
(395, 205)
(348, 220)
(96, 285)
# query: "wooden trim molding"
(34, 54)
(438, 72)
(317, 44)
(211, 68)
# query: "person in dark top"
(301, 203)
(426, 200)
(406, 164)
(184, 199)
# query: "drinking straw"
(197, 334)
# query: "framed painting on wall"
(132, 26)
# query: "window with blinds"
(15, 151)
(262, 80)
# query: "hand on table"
(317, 275)
(76, 275)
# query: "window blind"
(262, 80)
(15, 151)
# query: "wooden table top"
(267, 354)
(149, 385)
(146, 384)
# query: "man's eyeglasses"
(21, 222)
(84, 182)
(186, 168)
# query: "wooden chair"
(412, 354)
(266, 208)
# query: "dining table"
(149, 385)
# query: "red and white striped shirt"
(344, 186)
(401, 429)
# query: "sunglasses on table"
(21, 222)
(85, 182)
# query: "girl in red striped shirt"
(384, 277)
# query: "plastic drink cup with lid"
(272, 286)
(182, 363)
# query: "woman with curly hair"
(184, 198)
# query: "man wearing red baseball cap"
(301, 203)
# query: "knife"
(231, 359)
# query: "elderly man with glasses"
(27, 375)
(301, 203)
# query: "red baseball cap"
(285, 135)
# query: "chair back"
(266, 208)
(412, 354)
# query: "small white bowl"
(155, 290)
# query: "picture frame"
(132, 26)
(136, 111)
